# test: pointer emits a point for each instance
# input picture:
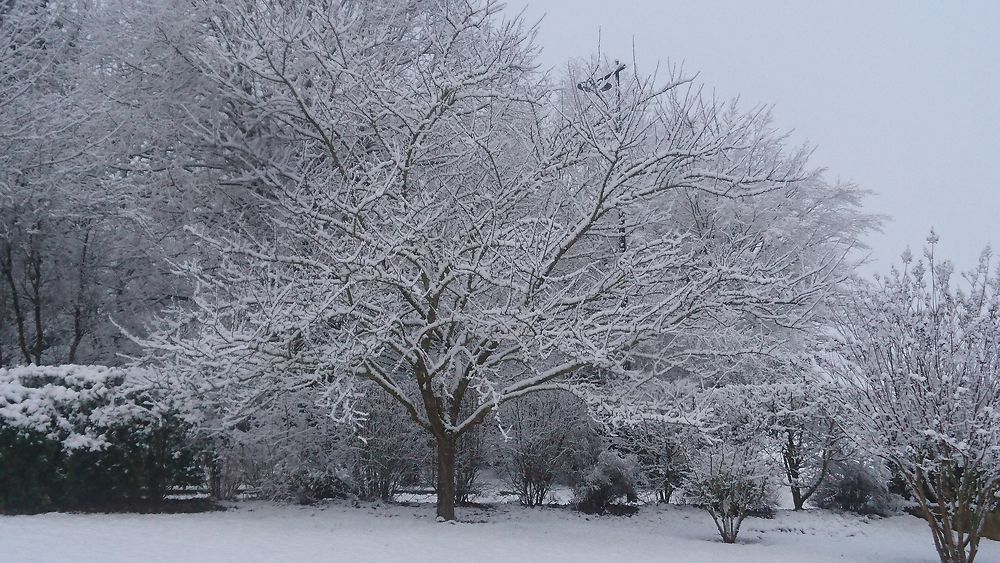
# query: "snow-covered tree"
(93, 184)
(802, 423)
(918, 365)
(731, 468)
(660, 448)
(426, 211)
(44, 132)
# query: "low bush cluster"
(612, 479)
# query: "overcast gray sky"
(902, 98)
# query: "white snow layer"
(265, 532)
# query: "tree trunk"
(798, 501)
(445, 476)
(15, 300)
(78, 307)
(665, 492)
(214, 465)
(793, 466)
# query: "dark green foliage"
(77, 438)
(138, 468)
(28, 470)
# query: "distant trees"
(93, 185)
(388, 451)
(46, 227)
(918, 365)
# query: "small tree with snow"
(919, 370)
(730, 468)
(802, 424)
(660, 449)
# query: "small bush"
(472, 456)
(730, 496)
(387, 450)
(660, 450)
(854, 487)
(614, 477)
(291, 450)
(731, 468)
(308, 487)
(550, 440)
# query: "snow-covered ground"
(259, 532)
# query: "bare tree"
(731, 467)
(431, 214)
(918, 367)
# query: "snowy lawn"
(257, 531)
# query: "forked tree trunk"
(445, 476)
(793, 467)
(952, 543)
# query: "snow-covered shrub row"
(75, 405)
(79, 436)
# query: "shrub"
(614, 477)
(471, 456)
(549, 439)
(290, 450)
(730, 467)
(82, 437)
(659, 448)
(388, 451)
(730, 495)
(309, 486)
(854, 487)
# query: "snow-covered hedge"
(76, 436)
(71, 404)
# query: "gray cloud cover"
(898, 97)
